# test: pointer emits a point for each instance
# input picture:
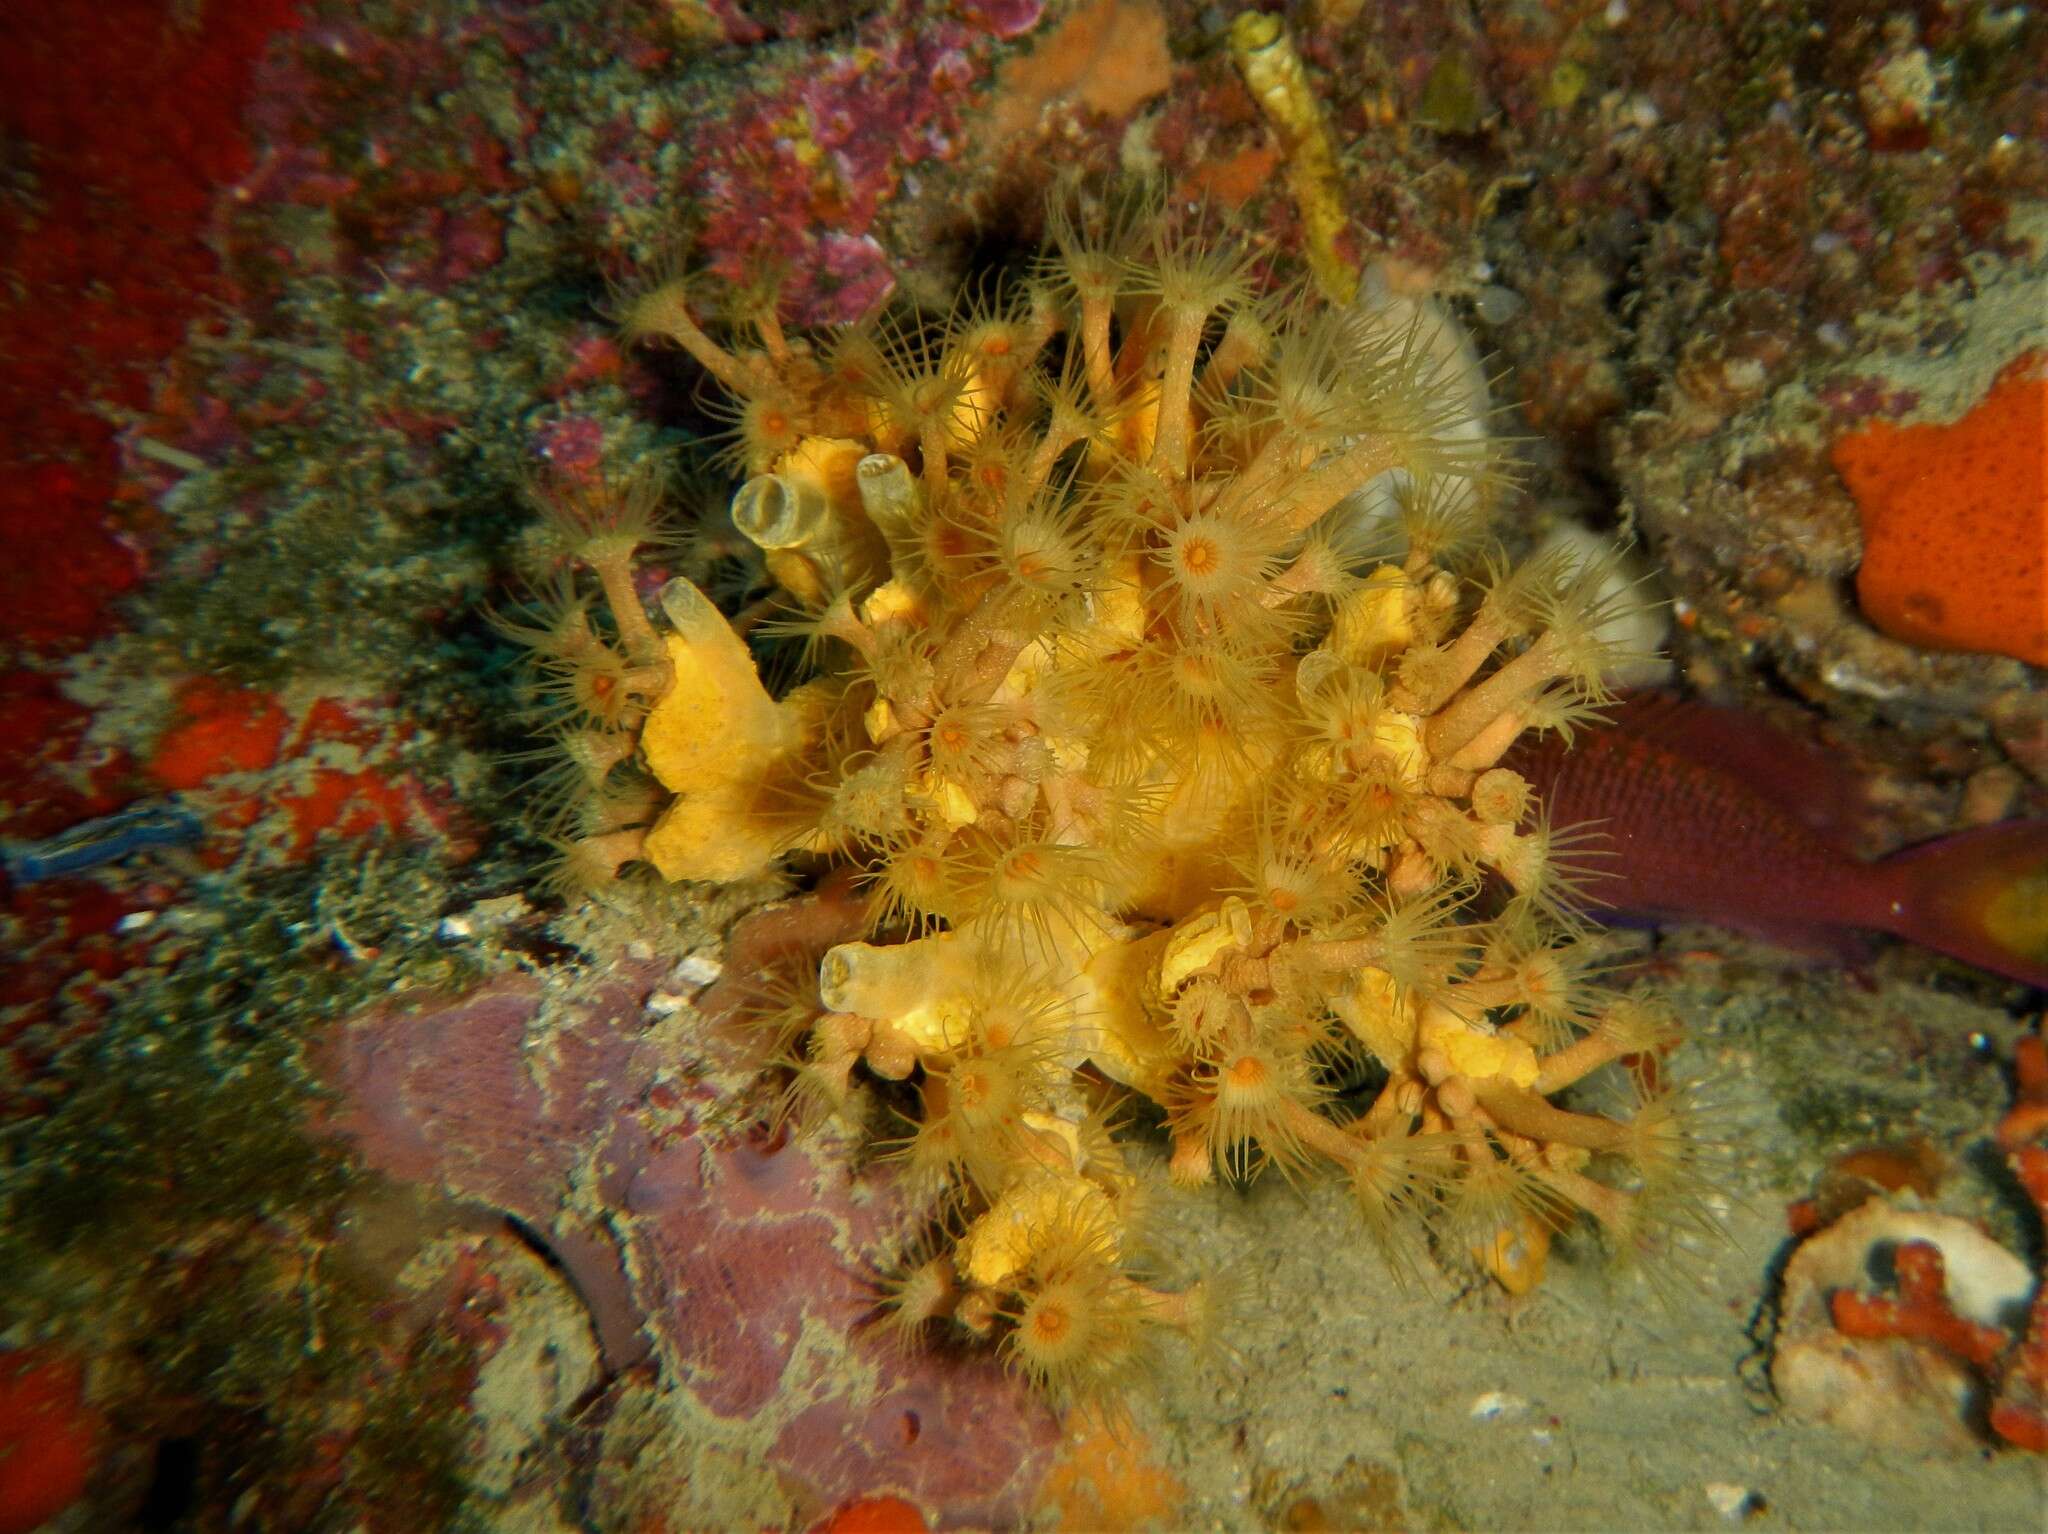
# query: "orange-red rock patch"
(1955, 521)
(224, 729)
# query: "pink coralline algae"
(707, 1256)
(796, 172)
(403, 191)
(571, 445)
(1005, 18)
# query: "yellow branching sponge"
(1158, 779)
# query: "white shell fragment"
(1497, 1406)
(1893, 1392)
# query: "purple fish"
(1706, 814)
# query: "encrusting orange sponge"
(1955, 521)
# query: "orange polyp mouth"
(1051, 1325)
(1248, 1073)
(1025, 865)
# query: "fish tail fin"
(1980, 896)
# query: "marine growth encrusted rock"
(1160, 780)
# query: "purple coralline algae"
(731, 1264)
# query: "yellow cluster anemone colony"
(1161, 784)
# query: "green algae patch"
(175, 1215)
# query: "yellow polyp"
(880, 721)
(922, 987)
(1375, 619)
(1033, 664)
(1380, 1016)
(1317, 762)
(846, 549)
(1566, 1158)
(892, 602)
(1117, 1001)
(710, 739)
(1517, 1254)
(1069, 752)
(1058, 1142)
(939, 1025)
(1119, 607)
(881, 425)
(1398, 737)
(827, 463)
(1475, 1053)
(974, 409)
(1207, 800)
(891, 1052)
(1197, 942)
(703, 837)
(1370, 846)
(798, 574)
(1495, 841)
(950, 801)
(1016, 1228)
(661, 311)
(1128, 439)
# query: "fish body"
(1705, 814)
(152, 823)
